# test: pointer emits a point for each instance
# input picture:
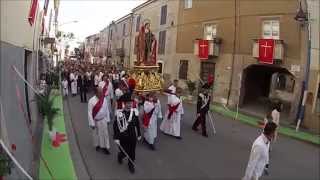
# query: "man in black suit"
(83, 86)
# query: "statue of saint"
(146, 46)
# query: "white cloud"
(92, 15)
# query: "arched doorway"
(262, 85)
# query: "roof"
(143, 5)
(123, 18)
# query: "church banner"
(266, 51)
(32, 11)
(203, 46)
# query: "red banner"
(32, 11)
(203, 49)
(266, 50)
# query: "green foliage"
(5, 163)
(46, 108)
(191, 86)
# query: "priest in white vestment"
(74, 86)
(109, 95)
(99, 116)
(152, 111)
(171, 123)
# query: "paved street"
(223, 156)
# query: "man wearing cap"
(259, 157)
(203, 106)
(171, 123)
(99, 116)
(127, 131)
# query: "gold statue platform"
(147, 78)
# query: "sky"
(92, 15)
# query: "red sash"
(97, 107)
(172, 109)
(105, 88)
(147, 117)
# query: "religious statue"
(146, 46)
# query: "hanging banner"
(32, 11)
(203, 46)
(266, 50)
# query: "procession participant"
(259, 157)
(152, 111)
(65, 90)
(98, 115)
(203, 106)
(127, 131)
(89, 77)
(107, 88)
(73, 80)
(115, 79)
(172, 89)
(83, 87)
(171, 123)
(96, 79)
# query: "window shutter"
(163, 19)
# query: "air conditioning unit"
(278, 53)
(214, 47)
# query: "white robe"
(74, 86)
(172, 126)
(100, 133)
(65, 90)
(259, 158)
(150, 132)
(173, 90)
(109, 93)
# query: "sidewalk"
(58, 159)
(303, 136)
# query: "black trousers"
(129, 147)
(201, 120)
(83, 95)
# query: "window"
(138, 23)
(271, 29)
(183, 69)
(210, 31)
(163, 19)
(285, 82)
(124, 30)
(187, 4)
(111, 34)
(162, 42)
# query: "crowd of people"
(115, 101)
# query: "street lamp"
(302, 18)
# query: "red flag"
(32, 11)
(203, 49)
(266, 50)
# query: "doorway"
(207, 68)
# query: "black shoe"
(178, 137)
(131, 168)
(152, 147)
(105, 151)
(98, 148)
(119, 159)
(204, 134)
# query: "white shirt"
(259, 158)
(110, 88)
(89, 75)
(72, 76)
(173, 89)
(65, 84)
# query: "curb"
(302, 136)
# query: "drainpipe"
(234, 50)
(307, 70)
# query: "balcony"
(120, 52)
(214, 47)
(278, 52)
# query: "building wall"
(240, 22)
(152, 12)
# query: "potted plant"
(191, 87)
(46, 108)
